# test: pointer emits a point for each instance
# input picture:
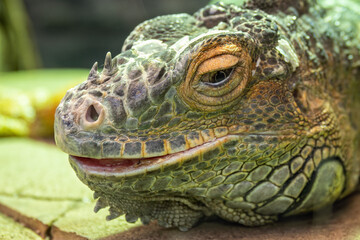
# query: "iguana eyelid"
(217, 63)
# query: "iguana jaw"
(121, 167)
(126, 167)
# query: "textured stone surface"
(9, 229)
(39, 190)
(36, 214)
(37, 170)
(82, 221)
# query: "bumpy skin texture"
(247, 112)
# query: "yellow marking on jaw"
(208, 135)
(187, 146)
(221, 131)
(166, 146)
(122, 149)
(201, 138)
(193, 142)
(239, 129)
(142, 149)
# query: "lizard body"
(248, 112)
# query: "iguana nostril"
(91, 114)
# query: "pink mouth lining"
(114, 165)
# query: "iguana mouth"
(134, 166)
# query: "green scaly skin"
(248, 113)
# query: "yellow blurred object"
(16, 112)
(28, 100)
(45, 112)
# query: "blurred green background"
(74, 33)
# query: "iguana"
(248, 112)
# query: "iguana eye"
(218, 78)
(215, 72)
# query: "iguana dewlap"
(247, 112)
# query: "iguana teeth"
(93, 75)
(100, 204)
(131, 218)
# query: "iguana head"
(196, 116)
